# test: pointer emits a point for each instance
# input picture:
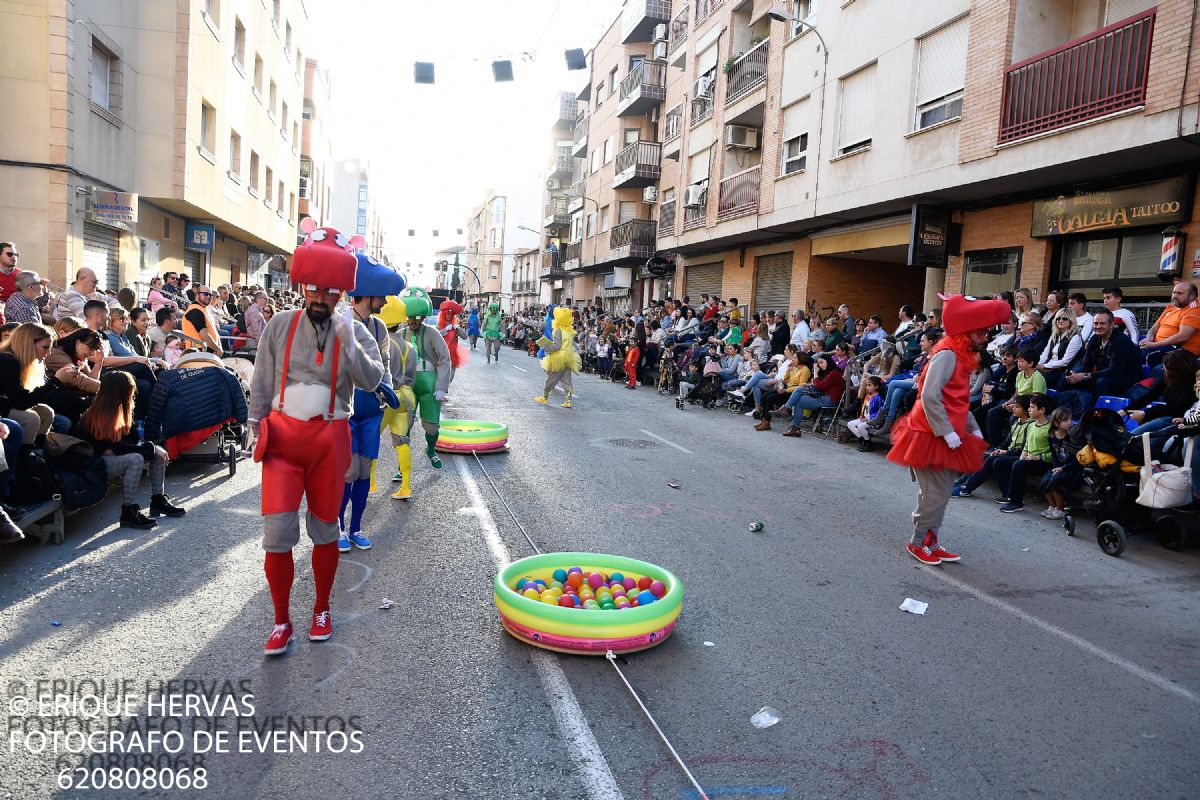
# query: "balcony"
(643, 89)
(638, 165)
(704, 9)
(1087, 78)
(632, 239)
(557, 215)
(694, 216)
(671, 125)
(739, 194)
(666, 218)
(748, 72)
(566, 110)
(579, 147)
(571, 261)
(679, 31)
(551, 267)
(702, 109)
(575, 199)
(563, 166)
(640, 17)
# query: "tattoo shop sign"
(1159, 203)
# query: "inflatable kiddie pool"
(472, 435)
(587, 631)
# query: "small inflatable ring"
(470, 431)
(454, 447)
(571, 630)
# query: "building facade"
(879, 153)
(526, 274)
(484, 278)
(353, 205)
(153, 137)
(316, 148)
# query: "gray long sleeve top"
(432, 353)
(359, 366)
(403, 362)
(938, 372)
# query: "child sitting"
(173, 350)
(967, 484)
(1034, 459)
(688, 383)
(872, 404)
(1066, 473)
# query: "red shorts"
(303, 459)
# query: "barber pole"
(1169, 265)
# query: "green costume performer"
(491, 331)
(432, 379)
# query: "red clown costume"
(308, 364)
(447, 325)
(939, 438)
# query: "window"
(626, 211)
(276, 14)
(291, 205)
(595, 161)
(283, 118)
(299, 64)
(307, 113)
(208, 127)
(604, 220)
(1131, 256)
(305, 177)
(795, 138)
(295, 135)
(258, 76)
(212, 13)
(254, 172)
(272, 98)
(856, 114)
(590, 230)
(987, 273)
(635, 61)
(279, 198)
(941, 75)
(287, 41)
(608, 148)
(599, 93)
(802, 15)
(497, 210)
(612, 81)
(630, 136)
(270, 184)
(493, 238)
(100, 77)
(239, 44)
(1124, 9)
(235, 156)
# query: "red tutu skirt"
(912, 447)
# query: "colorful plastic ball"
(556, 584)
(645, 597)
(575, 580)
(594, 580)
(618, 591)
(590, 604)
(549, 599)
(629, 583)
(616, 576)
(560, 575)
(540, 583)
(577, 601)
(532, 594)
(574, 571)
(644, 583)
(566, 602)
(658, 589)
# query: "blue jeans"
(755, 385)
(896, 390)
(808, 402)
(1158, 424)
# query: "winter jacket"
(190, 398)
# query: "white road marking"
(667, 441)
(572, 725)
(514, 366)
(1070, 638)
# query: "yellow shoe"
(541, 400)
(403, 493)
(404, 465)
(566, 404)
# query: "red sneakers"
(322, 627)
(278, 641)
(923, 554)
(946, 555)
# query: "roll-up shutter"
(193, 265)
(101, 254)
(1121, 9)
(772, 282)
(856, 115)
(942, 67)
(704, 279)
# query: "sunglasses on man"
(11, 254)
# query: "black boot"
(161, 504)
(132, 517)
(9, 532)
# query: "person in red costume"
(447, 325)
(939, 438)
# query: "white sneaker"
(738, 392)
(1055, 513)
(749, 413)
(1047, 512)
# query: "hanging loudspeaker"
(576, 59)
(502, 71)
(423, 72)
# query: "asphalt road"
(1042, 667)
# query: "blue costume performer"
(373, 283)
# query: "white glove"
(978, 433)
(952, 440)
(439, 395)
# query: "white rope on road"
(524, 533)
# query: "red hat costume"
(326, 257)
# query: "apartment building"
(485, 249)
(563, 178)
(353, 205)
(147, 138)
(526, 272)
(316, 147)
(877, 153)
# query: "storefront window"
(1140, 255)
(989, 272)
(1132, 258)
(1090, 260)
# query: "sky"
(435, 151)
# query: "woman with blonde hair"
(24, 385)
(1061, 348)
(108, 427)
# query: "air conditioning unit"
(740, 137)
(694, 195)
(660, 32)
(660, 51)
(701, 88)
(552, 183)
(650, 194)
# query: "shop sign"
(198, 236)
(113, 207)
(928, 237)
(1157, 203)
(659, 267)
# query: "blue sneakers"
(1011, 507)
(343, 543)
(959, 491)
(358, 539)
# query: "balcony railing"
(563, 165)
(565, 110)
(638, 165)
(672, 124)
(575, 201)
(748, 72)
(739, 194)
(705, 8)
(571, 256)
(695, 216)
(666, 218)
(639, 18)
(579, 148)
(556, 213)
(551, 266)
(702, 109)
(643, 88)
(679, 31)
(632, 239)
(1090, 77)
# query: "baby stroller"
(198, 411)
(707, 392)
(1110, 480)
